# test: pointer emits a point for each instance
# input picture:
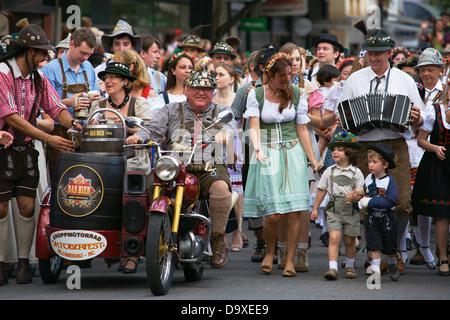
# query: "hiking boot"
(282, 258)
(23, 275)
(393, 271)
(302, 264)
(417, 259)
(260, 251)
(400, 263)
(219, 249)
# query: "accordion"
(378, 110)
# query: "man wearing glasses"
(178, 122)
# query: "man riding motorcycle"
(183, 122)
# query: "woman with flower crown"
(181, 65)
(277, 181)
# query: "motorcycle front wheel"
(160, 258)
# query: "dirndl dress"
(431, 192)
(280, 183)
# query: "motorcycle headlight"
(167, 168)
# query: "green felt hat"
(344, 139)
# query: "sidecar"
(95, 208)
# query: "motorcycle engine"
(191, 246)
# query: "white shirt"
(431, 94)
(270, 113)
(359, 84)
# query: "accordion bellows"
(372, 111)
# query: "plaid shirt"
(18, 96)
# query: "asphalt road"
(240, 282)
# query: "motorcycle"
(97, 208)
(179, 226)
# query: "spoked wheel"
(50, 269)
(160, 258)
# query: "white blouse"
(430, 118)
(270, 113)
(158, 102)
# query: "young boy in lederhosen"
(379, 196)
(342, 217)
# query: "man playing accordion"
(380, 77)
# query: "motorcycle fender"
(42, 242)
(160, 204)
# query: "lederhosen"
(385, 222)
(19, 162)
(206, 178)
(59, 130)
(337, 202)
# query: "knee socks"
(219, 210)
(4, 237)
(24, 229)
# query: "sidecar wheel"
(50, 269)
(193, 274)
(160, 259)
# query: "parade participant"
(381, 224)
(409, 64)
(277, 180)
(328, 51)
(119, 87)
(181, 65)
(20, 177)
(430, 68)
(238, 107)
(338, 180)
(345, 68)
(141, 86)
(71, 75)
(226, 79)
(379, 76)
(122, 38)
(431, 193)
(222, 53)
(399, 55)
(198, 110)
(151, 56)
(192, 45)
(63, 46)
(315, 101)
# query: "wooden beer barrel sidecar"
(82, 217)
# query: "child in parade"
(342, 217)
(379, 196)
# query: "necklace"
(124, 102)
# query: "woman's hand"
(259, 154)
(440, 152)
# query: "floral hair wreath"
(177, 54)
(403, 50)
(344, 61)
(275, 58)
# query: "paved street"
(241, 280)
